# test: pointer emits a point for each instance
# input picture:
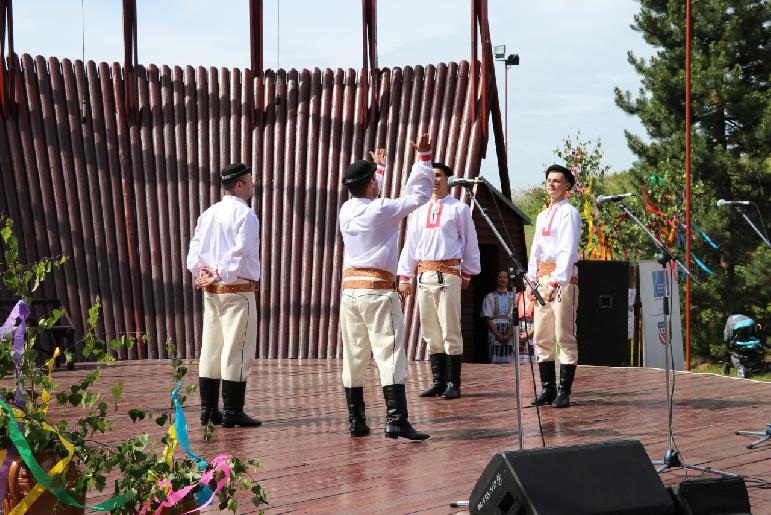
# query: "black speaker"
(713, 496)
(601, 321)
(600, 478)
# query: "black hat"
(233, 171)
(443, 167)
(358, 171)
(567, 173)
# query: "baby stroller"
(744, 349)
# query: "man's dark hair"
(359, 188)
(443, 167)
(231, 184)
(564, 171)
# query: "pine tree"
(731, 141)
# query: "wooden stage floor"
(311, 465)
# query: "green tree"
(731, 131)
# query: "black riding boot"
(453, 378)
(567, 374)
(397, 423)
(356, 418)
(210, 397)
(548, 384)
(233, 399)
(438, 366)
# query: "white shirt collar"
(231, 198)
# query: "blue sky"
(572, 53)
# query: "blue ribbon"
(204, 493)
(704, 234)
(702, 265)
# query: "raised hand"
(423, 145)
(378, 156)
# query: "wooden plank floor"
(311, 465)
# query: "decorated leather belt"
(549, 268)
(363, 284)
(381, 279)
(444, 266)
(232, 288)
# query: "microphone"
(601, 199)
(458, 181)
(723, 203)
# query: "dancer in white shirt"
(371, 318)
(224, 257)
(442, 249)
(553, 258)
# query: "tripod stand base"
(673, 460)
(764, 436)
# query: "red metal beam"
(487, 61)
(7, 74)
(480, 29)
(474, 43)
(256, 47)
(130, 55)
(688, 183)
(369, 55)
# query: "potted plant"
(51, 464)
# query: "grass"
(712, 368)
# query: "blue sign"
(659, 284)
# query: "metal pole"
(506, 107)
(688, 183)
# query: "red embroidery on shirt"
(438, 212)
(546, 231)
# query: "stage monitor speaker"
(713, 496)
(599, 478)
(601, 321)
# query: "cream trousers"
(229, 335)
(439, 306)
(556, 320)
(372, 323)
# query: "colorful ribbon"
(20, 312)
(203, 493)
(38, 490)
(20, 447)
(180, 425)
(175, 497)
(705, 236)
(44, 480)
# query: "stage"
(310, 464)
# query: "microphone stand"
(672, 458)
(515, 270)
(764, 435)
(754, 227)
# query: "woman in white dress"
(496, 310)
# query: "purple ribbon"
(20, 312)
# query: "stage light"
(499, 51)
(512, 60)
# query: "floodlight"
(512, 60)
